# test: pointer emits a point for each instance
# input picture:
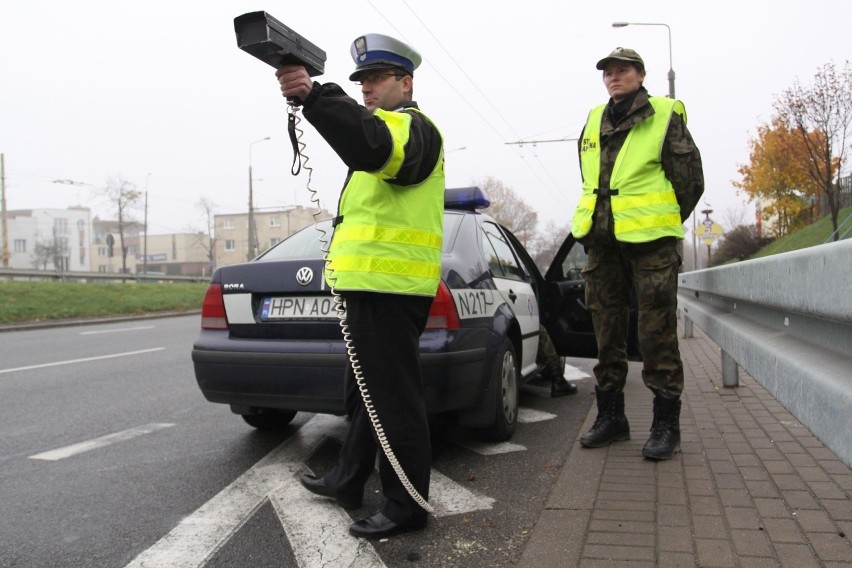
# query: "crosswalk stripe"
(530, 415)
(316, 528)
(490, 448)
(201, 534)
(574, 374)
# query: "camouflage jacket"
(681, 161)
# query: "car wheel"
(506, 380)
(270, 419)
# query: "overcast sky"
(159, 94)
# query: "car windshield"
(306, 243)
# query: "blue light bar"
(465, 198)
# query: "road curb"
(47, 324)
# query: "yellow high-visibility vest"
(391, 236)
(644, 204)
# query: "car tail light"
(213, 309)
(443, 314)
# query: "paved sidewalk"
(751, 488)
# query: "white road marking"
(529, 415)
(117, 330)
(316, 528)
(85, 360)
(82, 447)
(490, 448)
(449, 498)
(574, 374)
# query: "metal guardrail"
(787, 320)
(25, 274)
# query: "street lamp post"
(709, 223)
(252, 245)
(671, 67)
(671, 96)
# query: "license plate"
(297, 307)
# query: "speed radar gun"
(272, 42)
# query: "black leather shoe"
(561, 387)
(317, 486)
(379, 526)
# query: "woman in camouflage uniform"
(642, 177)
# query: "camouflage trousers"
(610, 274)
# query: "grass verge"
(40, 301)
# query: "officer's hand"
(294, 81)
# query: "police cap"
(377, 51)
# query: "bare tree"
(123, 196)
(509, 210)
(734, 217)
(824, 108)
(47, 252)
(207, 240)
(545, 244)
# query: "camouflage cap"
(622, 54)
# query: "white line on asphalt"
(490, 448)
(529, 415)
(574, 374)
(85, 360)
(449, 498)
(316, 528)
(199, 536)
(88, 445)
(117, 330)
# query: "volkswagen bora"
(271, 346)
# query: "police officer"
(642, 177)
(385, 260)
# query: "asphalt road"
(111, 457)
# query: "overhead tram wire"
(487, 100)
(473, 107)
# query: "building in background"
(180, 254)
(106, 246)
(50, 239)
(271, 226)
(71, 240)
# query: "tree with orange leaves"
(777, 175)
(825, 108)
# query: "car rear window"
(303, 244)
(306, 243)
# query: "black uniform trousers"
(385, 331)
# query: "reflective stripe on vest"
(399, 125)
(390, 237)
(645, 207)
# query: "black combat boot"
(665, 430)
(611, 424)
(559, 385)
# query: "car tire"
(270, 419)
(506, 382)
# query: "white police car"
(270, 344)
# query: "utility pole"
(252, 230)
(3, 208)
(145, 228)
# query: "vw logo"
(304, 276)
